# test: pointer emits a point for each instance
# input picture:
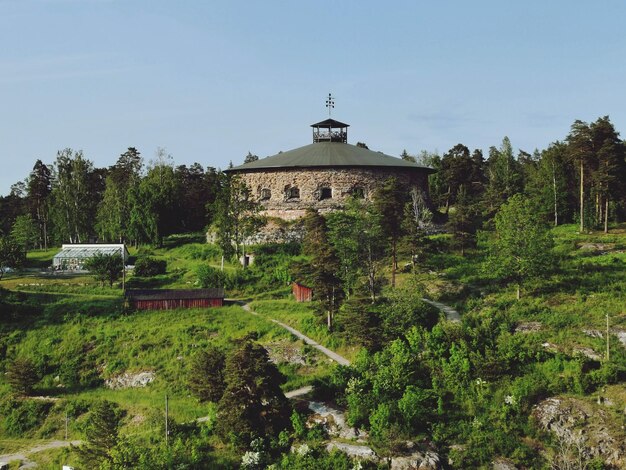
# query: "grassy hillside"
(551, 342)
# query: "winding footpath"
(451, 315)
(22, 456)
(331, 354)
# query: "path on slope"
(22, 456)
(324, 350)
(451, 314)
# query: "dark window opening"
(265, 194)
(326, 193)
(293, 193)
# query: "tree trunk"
(606, 214)
(394, 262)
(556, 208)
(582, 196)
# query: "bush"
(22, 376)
(148, 267)
(21, 416)
(209, 277)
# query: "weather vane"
(330, 103)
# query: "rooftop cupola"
(330, 130)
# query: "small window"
(358, 193)
(293, 193)
(266, 194)
(326, 193)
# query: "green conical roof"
(329, 154)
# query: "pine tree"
(22, 376)
(389, 202)
(252, 405)
(462, 222)
(101, 434)
(324, 264)
(206, 375)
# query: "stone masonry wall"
(313, 183)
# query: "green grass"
(301, 316)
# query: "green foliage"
(210, 277)
(11, 255)
(105, 267)
(148, 267)
(25, 232)
(252, 404)
(20, 416)
(522, 248)
(235, 216)
(101, 434)
(323, 265)
(22, 375)
(206, 374)
(404, 309)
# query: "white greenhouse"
(72, 257)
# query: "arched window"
(292, 193)
(326, 193)
(266, 194)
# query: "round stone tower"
(324, 174)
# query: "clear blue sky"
(210, 80)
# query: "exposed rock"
(582, 429)
(621, 335)
(427, 460)
(593, 333)
(596, 246)
(528, 327)
(586, 352)
(285, 352)
(502, 464)
(333, 420)
(353, 450)
(127, 380)
(551, 347)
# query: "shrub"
(206, 375)
(22, 376)
(21, 416)
(209, 277)
(148, 267)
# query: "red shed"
(301, 292)
(167, 299)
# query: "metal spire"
(330, 103)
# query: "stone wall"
(287, 193)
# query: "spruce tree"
(206, 375)
(101, 434)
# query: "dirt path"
(23, 455)
(451, 314)
(324, 350)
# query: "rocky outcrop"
(128, 380)
(426, 460)
(582, 430)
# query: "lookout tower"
(330, 130)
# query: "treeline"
(579, 179)
(73, 201)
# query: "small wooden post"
(167, 432)
(607, 338)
